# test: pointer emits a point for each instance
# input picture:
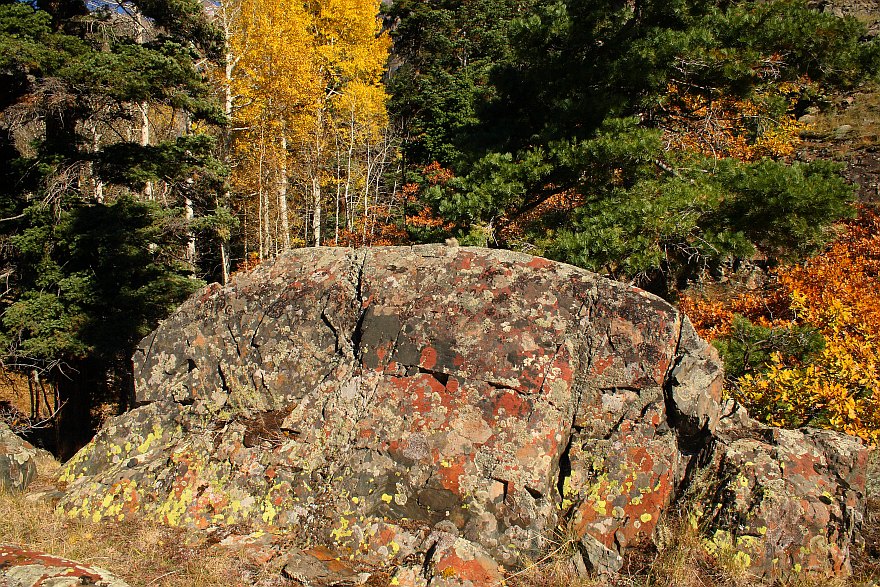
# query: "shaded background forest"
(151, 146)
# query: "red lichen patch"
(540, 263)
(600, 364)
(429, 358)
(479, 570)
(509, 405)
(450, 472)
(55, 567)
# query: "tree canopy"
(567, 127)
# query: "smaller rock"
(29, 568)
(807, 119)
(843, 131)
(697, 381)
(49, 496)
(384, 543)
(789, 501)
(457, 562)
(733, 416)
(320, 567)
(258, 548)
(18, 461)
(601, 559)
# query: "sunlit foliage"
(836, 295)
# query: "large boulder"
(448, 405)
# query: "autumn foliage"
(761, 125)
(836, 293)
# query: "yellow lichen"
(172, 509)
(742, 560)
(342, 531)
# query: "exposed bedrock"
(455, 406)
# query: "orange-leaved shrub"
(835, 294)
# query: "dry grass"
(145, 554)
(862, 114)
(141, 553)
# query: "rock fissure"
(336, 334)
(563, 472)
(439, 376)
(224, 385)
(234, 338)
(357, 331)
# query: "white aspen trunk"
(262, 252)
(145, 141)
(224, 261)
(267, 226)
(227, 16)
(97, 184)
(338, 189)
(316, 181)
(191, 241)
(367, 184)
(244, 230)
(316, 217)
(348, 161)
(144, 108)
(228, 99)
(282, 193)
(189, 210)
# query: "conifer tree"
(90, 265)
(565, 128)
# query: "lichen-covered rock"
(371, 399)
(18, 461)
(20, 567)
(318, 567)
(786, 501)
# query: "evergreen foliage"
(89, 268)
(559, 140)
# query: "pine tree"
(572, 135)
(92, 257)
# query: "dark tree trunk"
(76, 390)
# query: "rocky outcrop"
(18, 461)
(865, 11)
(445, 410)
(28, 568)
(785, 500)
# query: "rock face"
(18, 461)
(786, 500)
(866, 11)
(28, 568)
(448, 406)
